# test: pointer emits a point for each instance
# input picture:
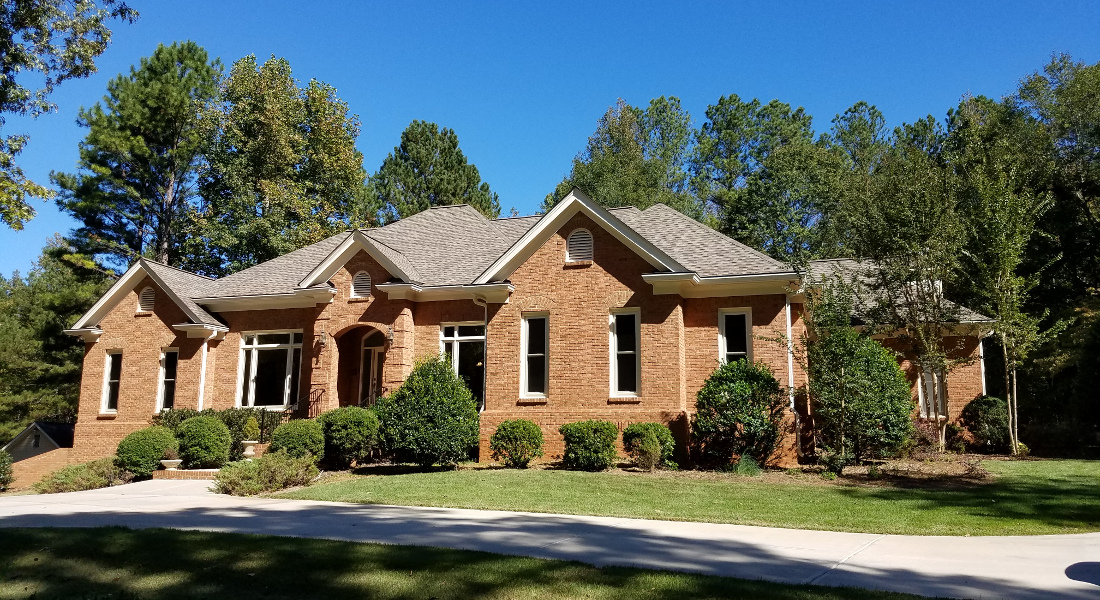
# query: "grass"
(1025, 498)
(163, 563)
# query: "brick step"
(185, 474)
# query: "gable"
(391, 260)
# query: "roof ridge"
(157, 262)
(714, 232)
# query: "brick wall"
(964, 382)
(31, 470)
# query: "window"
(536, 356)
(927, 386)
(37, 441)
(169, 362)
(463, 344)
(147, 299)
(734, 334)
(360, 285)
(625, 363)
(270, 368)
(578, 246)
(112, 373)
(370, 369)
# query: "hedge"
(204, 442)
(351, 434)
(589, 445)
(299, 438)
(516, 443)
(141, 451)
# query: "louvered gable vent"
(360, 285)
(147, 299)
(579, 246)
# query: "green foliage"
(516, 443)
(431, 419)
(589, 445)
(140, 159)
(84, 476)
(251, 430)
(281, 172)
(428, 169)
(636, 433)
(747, 467)
(47, 42)
(738, 413)
(271, 472)
(986, 418)
(6, 476)
(236, 419)
(141, 451)
(300, 437)
(351, 434)
(636, 157)
(204, 442)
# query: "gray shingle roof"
(185, 286)
(276, 276)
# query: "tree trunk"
(1008, 399)
(937, 399)
(1015, 414)
(167, 217)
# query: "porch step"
(185, 474)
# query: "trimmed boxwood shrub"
(141, 451)
(234, 418)
(84, 476)
(431, 419)
(516, 443)
(738, 412)
(589, 445)
(638, 440)
(351, 434)
(271, 472)
(986, 418)
(299, 438)
(6, 476)
(204, 442)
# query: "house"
(580, 313)
(41, 448)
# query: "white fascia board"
(89, 334)
(690, 285)
(200, 330)
(495, 293)
(355, 242)
(26, 432)
(167, 290)
(299, 299)
(575, 202)
(110, 298)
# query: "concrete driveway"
(1056, 566)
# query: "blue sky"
(523, 83)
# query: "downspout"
(981, 360)
(480, 301)
(202, 370)
(790, 378)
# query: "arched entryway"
(362, 357)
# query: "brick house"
(580, 313)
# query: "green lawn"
(121, 563)
(1025, 498)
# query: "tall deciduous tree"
(281, 172)
(140, 159)
(48, 42)
(428, 169)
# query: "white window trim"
(722, 312)
(376, 351)
(106, 384)
(370, 285)
(467, 338)
(570, 259)
(921, 396)
(288, 401)
(160, 380)
(613, 368)
(523, 393)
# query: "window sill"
(360, 299)
(532, 401)
(624, 400)
(143, 314)
(107, 415)
(578, 264)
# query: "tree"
(140, 159)
(428, 169)
(50, 41)
(635, 158)
(39, 364)
(281, 168)
(739, 410)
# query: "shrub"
(516, 443)
(171, 454)
(350, 434)
(234, 418)
(141, 451)
(986, 418)
(299, 438)
(738, 412)
(85, 476)
(251, 430)
(747, 467)
(173, 417)
(955, 438)
(589, 445)
(432, 418)
(204, 442)
(272, 471)
(634, 436)
(6, 476)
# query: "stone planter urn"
(249, 449)
(171, 465)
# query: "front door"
(370, 370)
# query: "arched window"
(578, 246)
(360, 285)
(146, 300)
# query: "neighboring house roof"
(61, 434)
(860, 273)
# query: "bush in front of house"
(6, 475)
(84, 476)
(251, 430)
(986, 418)
(431, 419)
(204, 442)
(300, 437)
(350, 434)
(236, 419)
(739, 410)
(141, 451)
(650, 445)
(589, 445)
(516, 443)
(271, 472)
